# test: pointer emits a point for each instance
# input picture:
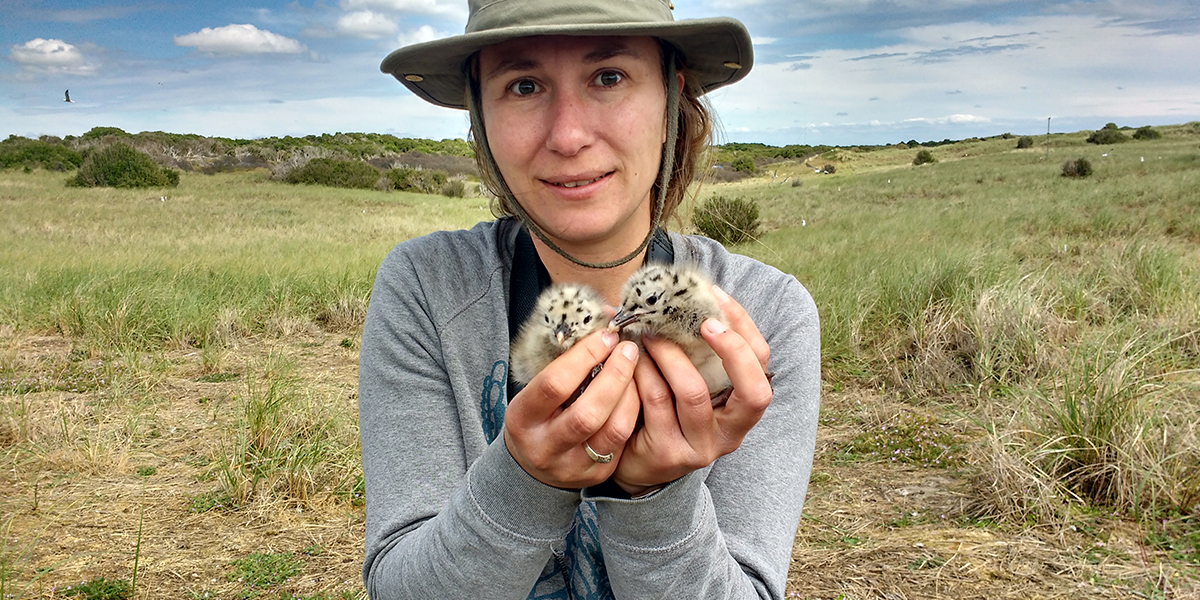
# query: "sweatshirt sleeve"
(437, 527)
(727, 531)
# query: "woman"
(587, 127)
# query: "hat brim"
(716, 51)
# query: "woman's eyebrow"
(512, 64)
(523, 63)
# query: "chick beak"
(623, 318)
(560, 332)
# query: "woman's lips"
(572, 183)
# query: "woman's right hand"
(548, 440)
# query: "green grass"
(1060, 315)
(260, 573)
(221, 256)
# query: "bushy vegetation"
(829, 169)
(744, 164)
(420, 181)
(1109, 134)
(121, 166)
(727, 220)
(335, 173)
(1147, 133)
(1078, 168)
(1024, 142)
(17, 151)
(923, 157)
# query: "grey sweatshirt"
(450, 514)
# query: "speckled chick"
(671, 302)
(563, 314)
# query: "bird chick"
(563, 314)
(671, 302)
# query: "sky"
(836, 72)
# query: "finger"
(563, 376)
(613, 435)
(739, 320)
(752, 391)
(692, 405)
(595, 405)
(658, 403)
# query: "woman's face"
(576, 125)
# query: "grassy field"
(1011, 402)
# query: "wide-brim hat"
(716, 51)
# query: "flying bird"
(671, 302)
(67, 96)
(562, 315)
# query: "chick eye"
(523, 87)
(609, 78)
(547, 317)
(652, 300)
(587, 319)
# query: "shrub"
(829, 169)
(924, 157)
(796, 182)
(744, 164)
(1079, 167)
(1146, 133)
(17, 151)
(454, 188)
(1024, 142)
(121, 166)
(727, 220)
(1108, 135)
(335, 173)
(96, 133)
(421, 181)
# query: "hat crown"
(490, 15)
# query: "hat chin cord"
(664, 176)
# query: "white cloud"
(51, 56)
(239, 40)
(420, 35)
(366, 24)
(449, 8)
(951, 119)
(763, 41)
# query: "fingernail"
(720, 294)
(610, 339)
(714, 326)
(630, 351)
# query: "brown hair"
(695, 136)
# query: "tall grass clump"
(120, 166)
(923, 157)
(335, 173)
(1108, 431)
(1024, 142)
(286, 444)
(727, 220)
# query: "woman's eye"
(523, 87)
(609, 78)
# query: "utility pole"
(1047, 138)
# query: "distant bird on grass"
(562, 315)
(67, 96)
(671, 302)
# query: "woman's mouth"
(577, 183)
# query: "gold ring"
(600, 458)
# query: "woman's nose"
(570, 122)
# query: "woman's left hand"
(682, 432)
